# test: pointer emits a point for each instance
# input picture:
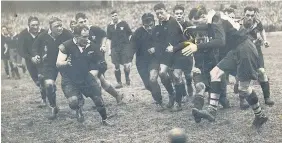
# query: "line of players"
(205, 48)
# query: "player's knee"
(73, 102)
(262, 75)
(252, 99)
(200, 87)
(244, 90)
(50, 86)
(153, 78)
(216, 74)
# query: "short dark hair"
(80, 15)
(114, 11)
(4, 26)
(54, 19)
(147, 18)
(249, 8)
(159, 6)
(228, 10)
(178, 7)
(32, 18)
(196, 13)
(78, 28)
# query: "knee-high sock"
(118, 75)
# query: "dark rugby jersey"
(118, 34)
(12, 42)
(25, 41)
(81, 60)
(141, 41)
(3, 42)
(96, 34)
(47, 47)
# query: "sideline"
(277, 33)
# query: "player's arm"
(128, 30)
(36, 49)
(262, 33)
(21, 45)
(62, 59)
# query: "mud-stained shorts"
(244, 60)
(145, 66)
(121, 55)
(260, 54)
(88, 88)
(49, 71)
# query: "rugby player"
(119, 34)
(178, 11)
(74, 61)
(98, 37)
(147, 64)
(243, 58)
(173, 35)
(25, 40)
(45, 51)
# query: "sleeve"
(260, 26)
(134, 41)
(127, 28)
(23, 51)
(218, 39)
(63, 49)
(109, 32)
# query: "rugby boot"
(128, 82)
(208, 114)
(171, 100)
(79, 115)
(106, 122)
(224, 102)
(268, 101)
(42, 104)
(160, 107)
(118, 85)
(119, 99)
(197, 118)
(54, 112)
(259, 121)
(243, 104)
(236, 88)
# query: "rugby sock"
(252, 99)
(178, 92)
(118, 75)
(157, 97)
(103, 113)
(215, 94)
(265, 89)
(126, 73)
(189, 86)
(168, 86)
(183, 90)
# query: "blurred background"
(15, 13)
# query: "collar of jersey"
(112, 23)
(75, 42)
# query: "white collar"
(79, 47)
(33, 34)
(112, 23)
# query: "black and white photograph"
(167, 71)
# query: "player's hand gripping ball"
(189, 49)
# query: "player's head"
(33, 24)
(177, 135)
(229, 11)
(178, 11)
(161, 11)
(4, 30)
(249, 13)
(198, 15)
(56, 26)
(81, 19)
(72, 24)
(114, 16)
(148, 21)
(81, 34)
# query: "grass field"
(137, 121)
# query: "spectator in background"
(72, 25)
(5, 55)
(119, 34)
